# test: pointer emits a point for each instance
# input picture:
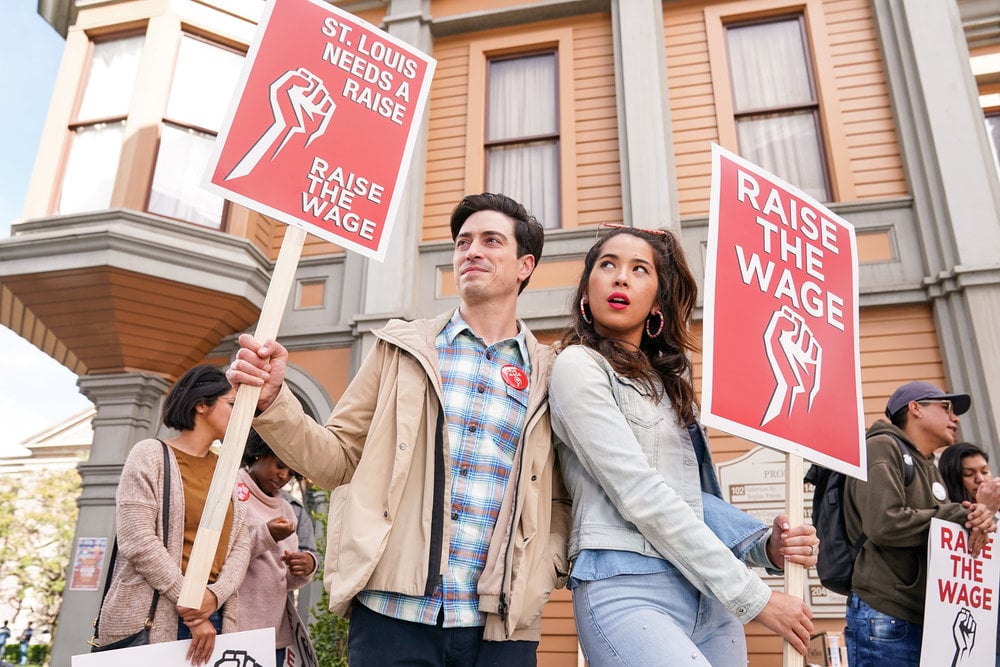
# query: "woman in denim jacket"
(661, 561)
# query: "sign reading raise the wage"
(781, 350)
(323, 124)
(960, 613)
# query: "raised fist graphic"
(796, 360)
(963, 631)
(300, 103)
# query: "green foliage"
(37, 519)
(38, 653)
(12, 653)
(327, 630)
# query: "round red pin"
(242, 491)
(514, 377)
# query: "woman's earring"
(659, 329)
(583, 312)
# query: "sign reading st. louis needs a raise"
(323, 124)
(781, 358)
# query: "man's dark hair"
(528, 232)
(202, 385)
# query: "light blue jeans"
(655, 619)
(875, 639)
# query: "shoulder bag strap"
(114, 551)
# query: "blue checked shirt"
(485, 418)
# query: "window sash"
(177, 190)
(521, 140)
(775, 106)
(111, 79)
(204, 82)
(91, 168)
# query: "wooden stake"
(220, 493)
(794, 573)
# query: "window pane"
(522, 97)
(530, 174)
(180, 167)
(787, 145)
(769, 65)
(111, 79)
(993, 131)
(91, 168)
(203, 84)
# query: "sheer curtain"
(769, 67)
(204, 79)
(521, 105)
(95, 151)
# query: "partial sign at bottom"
(254, 648)
(960, 614)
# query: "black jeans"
(376, 640)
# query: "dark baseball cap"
(925, 391)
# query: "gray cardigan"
(635, 486)
(143, 563)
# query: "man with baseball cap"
(885, 610)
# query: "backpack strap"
(909, 470)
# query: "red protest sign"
(324, 125)
(781, 357)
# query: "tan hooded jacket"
(384, 450)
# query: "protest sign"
(781, 349)
(323, 124)
(960, 612)
(253, 648)
(319, 136)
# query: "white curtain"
(522, 103)
(769, 67)
(180, 166)
(91, 168)
(205, 77)
(111, 79)
(202, 88)
(95, 151)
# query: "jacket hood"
(882, 427)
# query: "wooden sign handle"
(794, 573)
(220, 493)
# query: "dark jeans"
(215, 618)
(375, 640)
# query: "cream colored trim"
(479, 52)
(832, 127)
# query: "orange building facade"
(124, 270)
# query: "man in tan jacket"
(448, 519)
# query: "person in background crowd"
(965, 467)
(198, 406)
(25, 642)
(660, 574)
(885, 610)
(277, 566)
(448, 523)
(4, 636)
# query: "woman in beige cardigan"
(198, 407)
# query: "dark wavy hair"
(202, 385)
(528, 232)
(662, 364)
(950, 465)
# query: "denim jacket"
(636, 482)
